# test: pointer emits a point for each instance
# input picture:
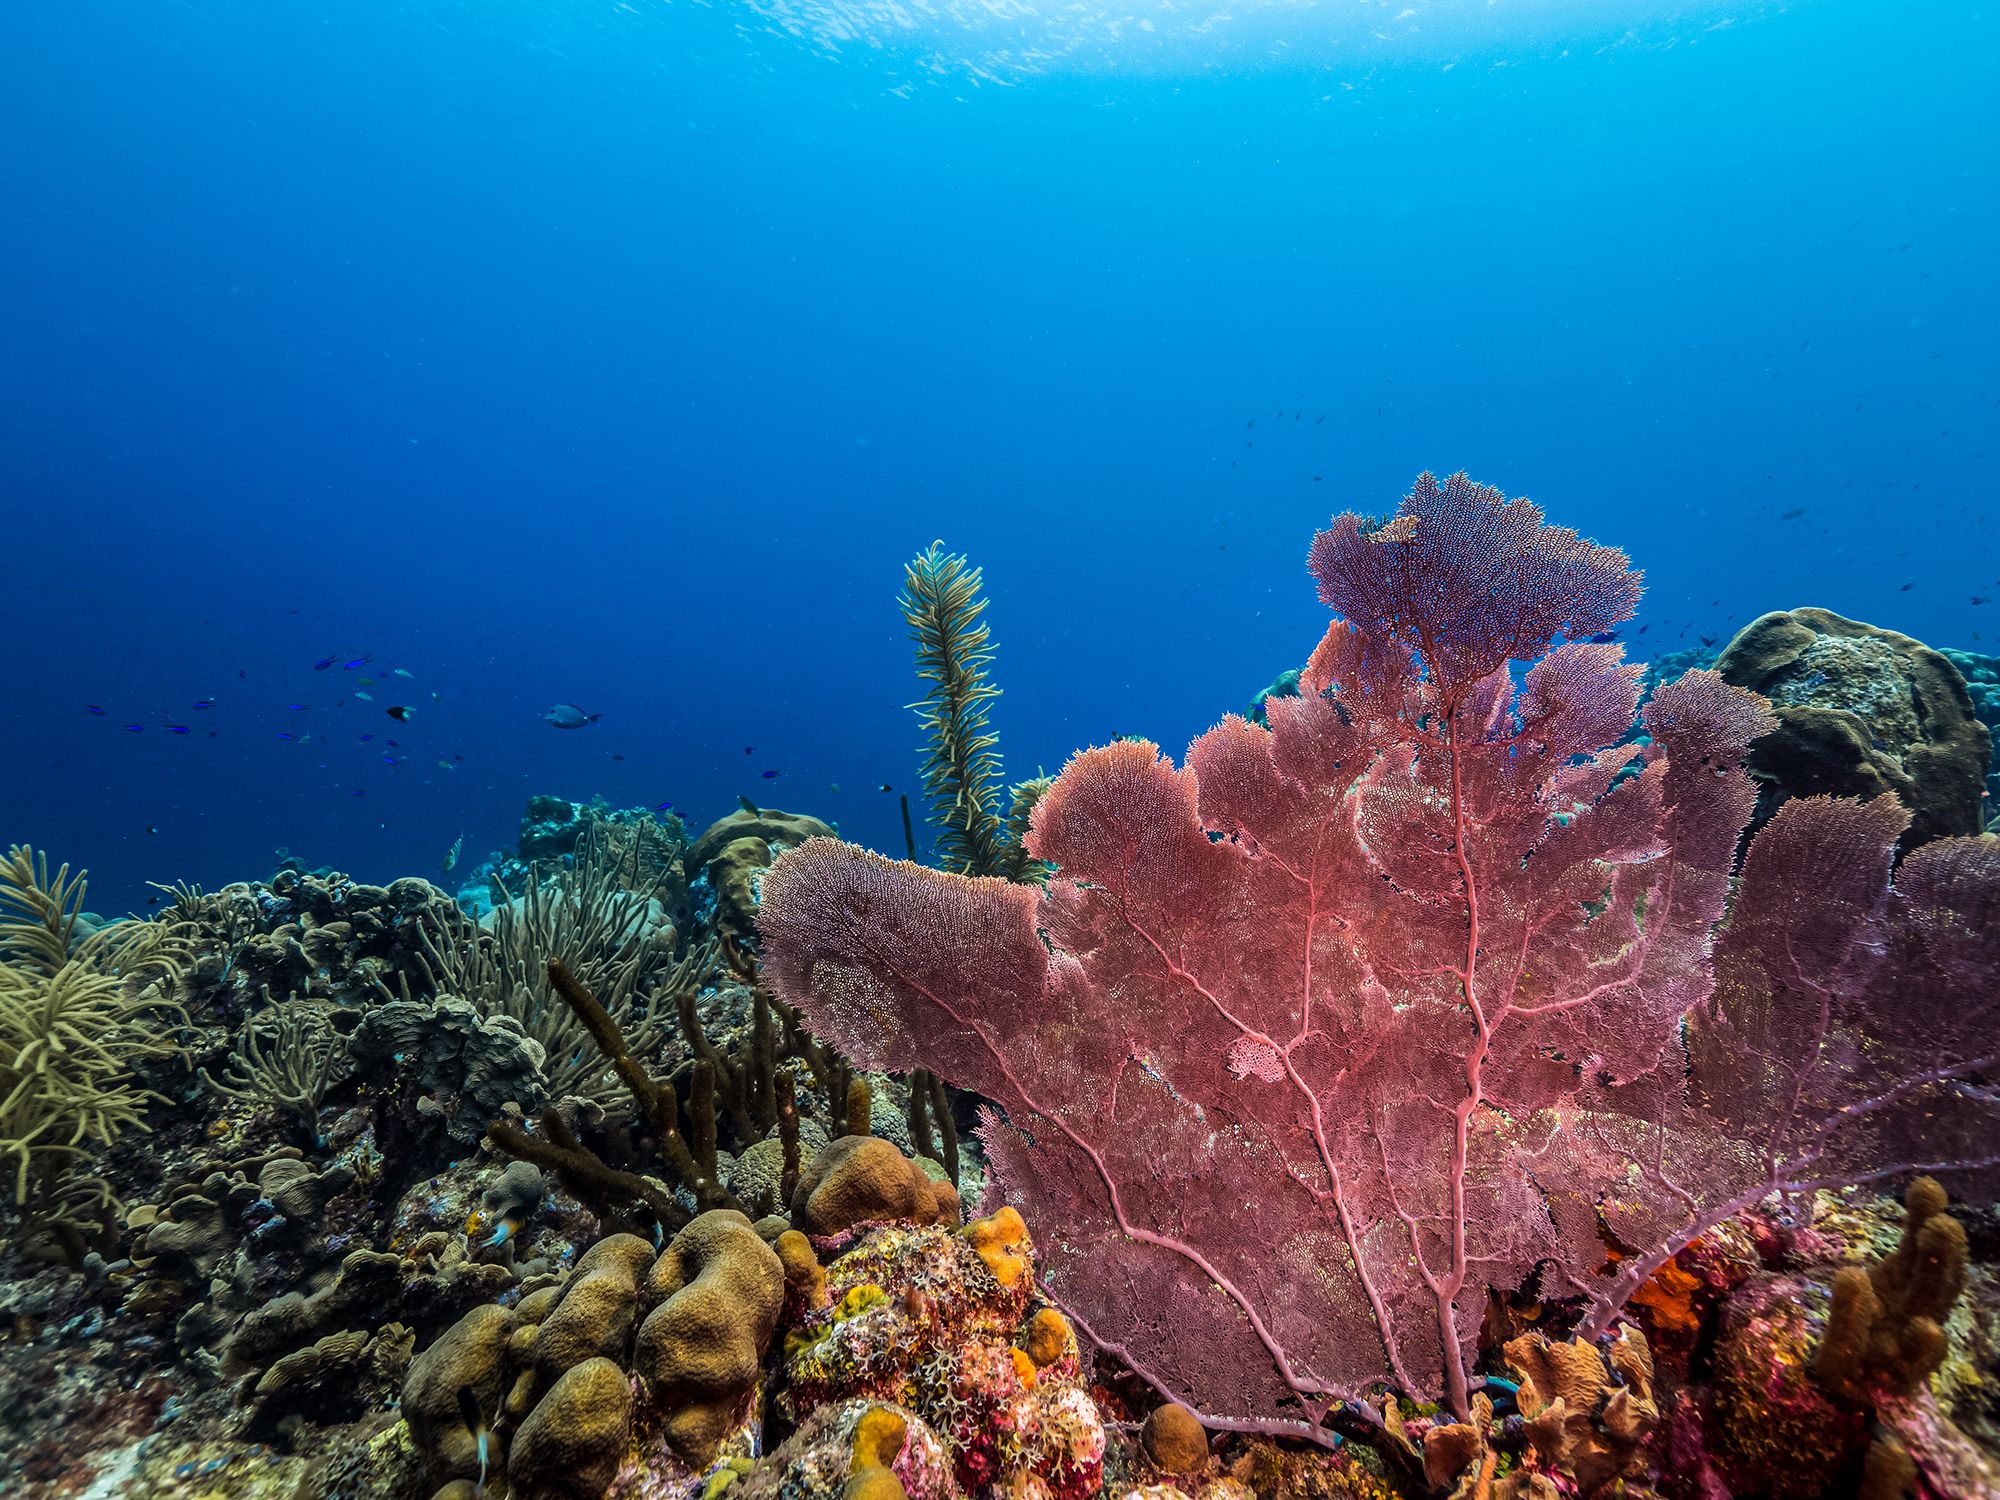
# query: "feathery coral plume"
(942, 602)
(941, 599)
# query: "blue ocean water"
(619, 354)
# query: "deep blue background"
(622, 353)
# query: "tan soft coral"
(77, 1016)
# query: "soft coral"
(1308, 1043)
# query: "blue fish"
(283, 736)
(323, 663)
(770, 775)
(569, 716)
(135, 728)
(92, 708)
(662, 807)
(1602, 638)
(178, 729)
(349, 666)
(298, 708)
(204, 703)
(475, 1422)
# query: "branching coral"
(72, 1030)
(592, 919)
(289, 1058)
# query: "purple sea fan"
(1307, 1044)
(1853, 1034)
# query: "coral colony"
(1486, 1069)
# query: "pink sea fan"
(1307, 1044)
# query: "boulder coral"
(576, 1376)
(863, 1177)
(1861, 711)
(717, 1290)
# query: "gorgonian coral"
(1407, 995)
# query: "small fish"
(749, 749)
(151, 829)
(283, 736)
(509, 1225)
(365, 681)
(401, 673)
(885, 787)
(616, 756)
(1708, 640)
(365, 697)
(178, 729)
(366, 738)
(1793, 514)
(1907, 587)
(92, 708)
(390, 760)
(569, 716)
(663, 807)
(323, 663)
(135, 728)
(475, 1422)
(451, 854)
(400, 713)
(297, 708)
(1976, 599)
(349, 666)
(649, 1225)
(1602, 638)
(1644, 628)
(204, 703)
(770, 775)
(748, 806)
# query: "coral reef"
(1550, 1184)
(1442, 960)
